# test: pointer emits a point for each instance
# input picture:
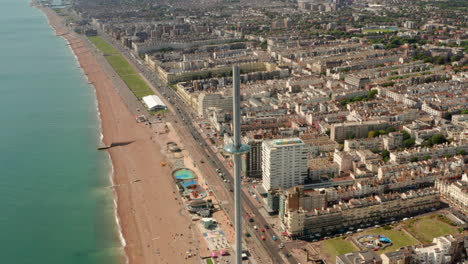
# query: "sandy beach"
(155, 226)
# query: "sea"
(56, 204)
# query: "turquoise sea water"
(55, 202)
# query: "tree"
(387, 84)
(372, 93)
(414, 159)
(372, 133)
(385, 155)
(436, 139)
(406, 135)
(408, 143)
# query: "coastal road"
(201, 149)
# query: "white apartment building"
(436, 253)
(284, 163)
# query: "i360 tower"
(237, 149)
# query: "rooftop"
(287, 141)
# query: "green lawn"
(398, 237)
(137, 85)
(103, 45)
(378, 30)
(428, 227)
(123, 68)
(337, 246)
(209, 261)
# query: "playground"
(375, 242)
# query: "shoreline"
(152, 224)
(121, 239)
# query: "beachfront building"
(284, 163)
(154, 103)
(304, 215)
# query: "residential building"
(436, 253)
(350, 130)
(355, 212)
(322, 167)
(456, 193)
(284, 163)
(361, 257)
(253, 159)
(397, 257)
(209, 100)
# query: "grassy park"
(428, 227)
(337, 246)
(123, 68)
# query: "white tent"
(154, 103)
